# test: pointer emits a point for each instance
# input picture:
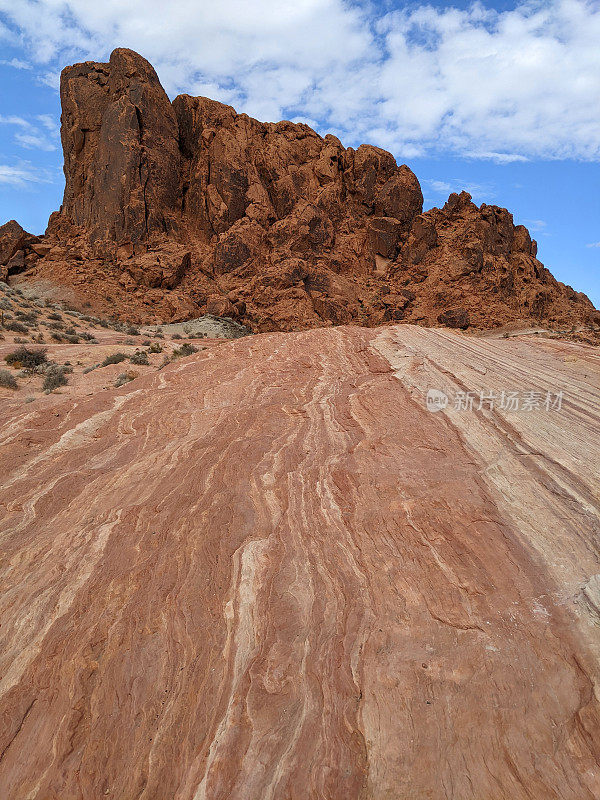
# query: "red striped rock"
(267, 571)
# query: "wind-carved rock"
(173, 209)
(120, 140)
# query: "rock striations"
(267, 572)
(176, 209)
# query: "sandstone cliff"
(175, 209)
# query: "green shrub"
(124, 378)
(7, 381)
(27, 316)
(27, 358)
(17, 327)
(186, 349)
(55, 377)
(115, 358)
(140, 358)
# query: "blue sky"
(502, 98)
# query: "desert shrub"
(26, 316)
(186, 349)
(140, 358)
(27, 358)
(114, 358)
(16, 327)
(155, 347)
(55, 377)
(55, 326)
(7, 380)
(133, 331)
(146, 343)
(55, 315)
(20, 340)
(125, 377)
(72, 339)
(71, 331)
(177, 336)
(103, 323)
(159, 335)
(90, 369)
(87, 336)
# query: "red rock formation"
(176, 209)
(18, 249)
(267, 571)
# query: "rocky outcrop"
(268, 571)
(173, 209)
(120, 142)
(18, 249)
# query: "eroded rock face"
(120, 142)
(157, 180)
(18, 249)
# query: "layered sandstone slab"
(267, 571)
(176, 209)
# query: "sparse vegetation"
(114, 358)
(16, 327)
(55, 377)
(186, 349)
(155, 347)
(7, 380)
(125, 377)
(140, 358)
(27, 358)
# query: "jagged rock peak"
(177, 209)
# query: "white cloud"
(41, 135)
(508, 86)
(23, 174)
(480, 193)
(593, 244)
(536, 225)
(17, 63)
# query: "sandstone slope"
(267, 571)
(176, 209)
